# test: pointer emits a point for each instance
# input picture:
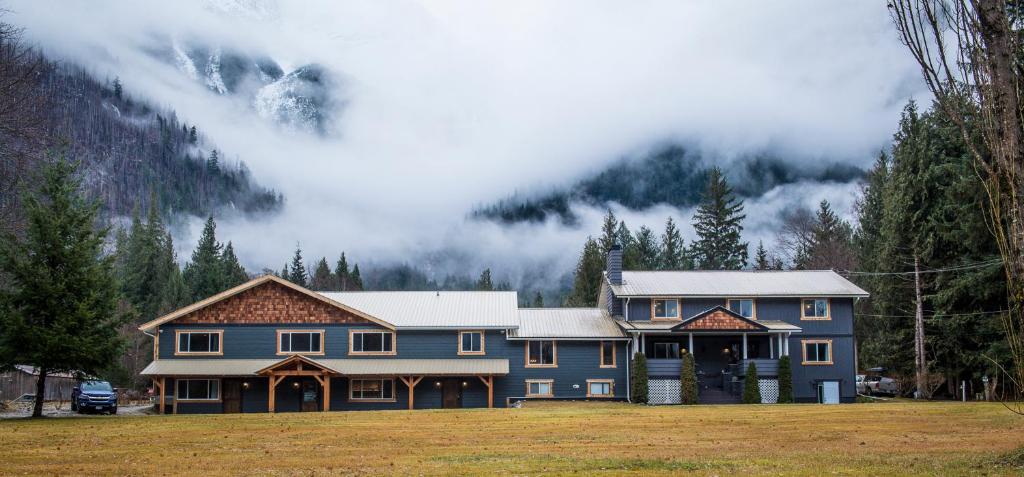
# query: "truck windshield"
(96, 386)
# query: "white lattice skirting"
(769, 390)
(663, 391)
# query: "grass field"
(551, 438)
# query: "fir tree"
(59, 310)
(688, 380)
(234, 273)
(204, 274)
(285, 274)
(538, 300)
(646, 247)
(609, 233)
(356, 279)
(341, 273)
(213, 162)
(630, 253)
(785, 380)
(118, 89)
(718, 223)
(672, 255)
(751, 388)
(638, 380)
(761, 260)
(322, 278)
(484, 282)
(298, 274)
(587, 280)
(193, 137)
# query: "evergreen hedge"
(785, 380)
(688, 380)
(751, 391)
(638, 383)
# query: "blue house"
(272, 346)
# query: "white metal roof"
(788, 283)
(566, 323)
(445, 309)
(350, 367)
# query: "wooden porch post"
(272, 382)
(163, 396)
(489, 382)
(327, 392)
(411, 383)
(744, 346)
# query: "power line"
(988, 263)
(938, 315)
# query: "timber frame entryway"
(302, 367)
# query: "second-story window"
(815, 309)
(300, 342)
(665, 309)
(742, 306)
(371, 342)
(199, 342)
(471, 342)
(541, 354)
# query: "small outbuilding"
(22, 380)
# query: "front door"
(310, 391)
(231, 393)
(452, 394)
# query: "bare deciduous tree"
(970, 57)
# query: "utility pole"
(922, 364)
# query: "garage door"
(828, 392)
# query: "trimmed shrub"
(638, 393)
(688, 380)
(751, 391)
(785, 380)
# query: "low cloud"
(450, 104)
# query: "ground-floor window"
(540, 387)
(817, 351)
(197, 390)
(600, 388)
(371, 390)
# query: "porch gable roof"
(719, 318)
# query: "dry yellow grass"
(568, 438)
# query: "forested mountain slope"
(671, 175)
(132, 151)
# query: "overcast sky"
(450, 104)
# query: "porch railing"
(666, 368)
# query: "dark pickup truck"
(95, 396)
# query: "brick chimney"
(614, 265)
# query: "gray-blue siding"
(577, 362)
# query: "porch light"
(725, 350)
(464, 384)
(437, 384)
(245, 384)
(295, 385)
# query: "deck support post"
(325, 384)
(489, 382)
(411, 382)
(159, 383)
(272, 381)
(744, 346)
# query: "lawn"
(899, 438)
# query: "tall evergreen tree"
(538, 301)
(630, 253)
(761, 261)
(234, 273)
(60, 311)
(718, 223)
(298, 274)
(341, 274)
(356, 280)
(672, 254)
(285, 274)
(213, 162)
(587, 280)
(646, 246)
(204, 274)
(484, 282)
(609, 232)
(322, 278)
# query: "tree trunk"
(37, 409)
(919, 358)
